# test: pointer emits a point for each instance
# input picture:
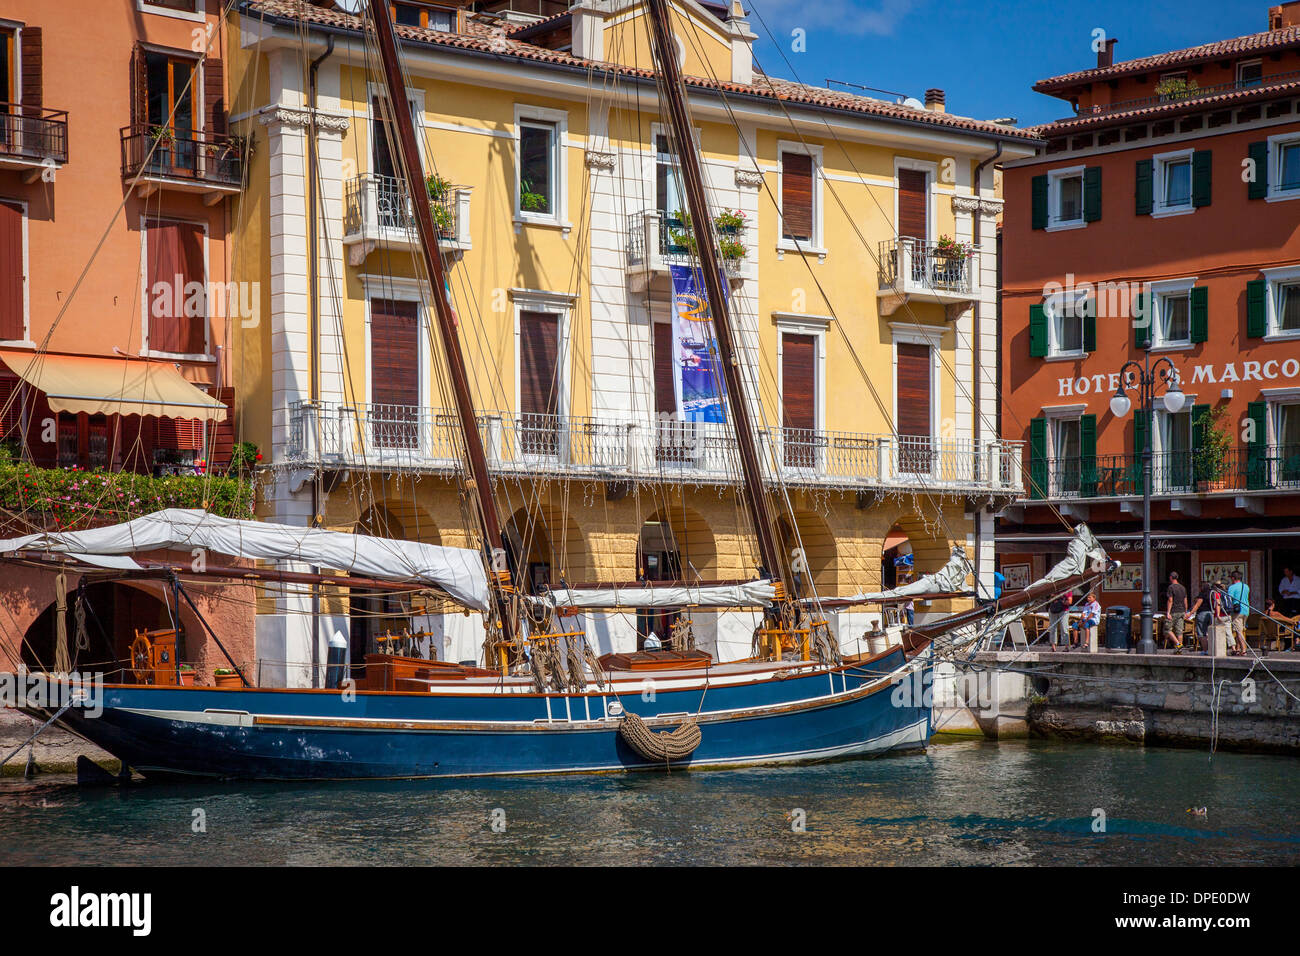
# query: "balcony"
(427, 440)
(377, 215)
(194, 162)
(1173, 475)
(914, 270)
(651, 250)
(1188, 96)
(32, 139)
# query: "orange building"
(1161, 222)
(116, 176)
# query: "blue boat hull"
(321, 735)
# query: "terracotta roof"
(1239, 97)
(485, 38)
(1254, 43)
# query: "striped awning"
(100, 385)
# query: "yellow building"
(863, 284)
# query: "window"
(13, 279)
(539, 383)
(1171, 468)
(1250, 73)
(1069, 325)
(1288, 307)
(1289, 166)
(175, 295)
(1067, 447)
(799, 393)
(913, 407)
(1069, 203)
(797, 196)
(185, 6)
(428, 18)
(1284, 454)
(1174, 319)
(394, 373)
(1067, 198)
(1173, 182)
(537, 165)
(8, 67)
(1273, 303)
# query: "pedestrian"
(1239, 608)
(1288, 593)
(1058, 620)
(1175, 612)
(1203, 614)
(1089, 621)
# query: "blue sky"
(984, 55)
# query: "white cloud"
(877, 18)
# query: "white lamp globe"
(1120, 404)
(1175, 398)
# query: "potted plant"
(530, 201)
(1213, 448)
(1176, 88)
(443, 218)
(164, 136)
(730, 222)
(437, 187)
(225, 677)
(731, 249)
(187, 675)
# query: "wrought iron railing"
(375, 204)
(654, 240)
(1172, 473)
(33, 133)
(1185, 95)
(915, 264)
(200, 157)
(399, 437)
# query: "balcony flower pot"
(223, 677)
(187, 676)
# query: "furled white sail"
(749, 594)
(457, 571)
(1083, 554)
(948, 579)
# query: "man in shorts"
(1175, 612)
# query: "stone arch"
(684, 532)
(811, 532)
(929, 547)
(545, 543)
(379, 520)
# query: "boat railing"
(422, 438)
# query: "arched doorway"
(811, 551)
(544, 548)
(675, 544)
(897, 559)
(114, 612)
(376, 614)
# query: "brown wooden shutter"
(665, 369)
(913, 204)
(394, 347)
(178, 434)
(539, 349)
(33, 87)
(11, 272)
(214, 96)
(11, 406)
(174, 249)
(139, 80)
(796, 196)
(798, 381)
(913, 399)
(223, 438)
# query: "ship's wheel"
(142, 659)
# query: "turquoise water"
(973, 802)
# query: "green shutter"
(1258, 187)
(1038, 457)
(1201, 470)
(1202, 164)
(1200, 313)
(1141, 332)
(1092, 194)
(1090, 331)
(1088, 456)
(1256, 308)
(1145, 177)
(1257, 450)
(1037, 330)
(1040, 202)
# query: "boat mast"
(480, 483)
(664, 52)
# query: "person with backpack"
(1239, 607)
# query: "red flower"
(259, 456)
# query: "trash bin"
(1119, 623)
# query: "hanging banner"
(698, 381)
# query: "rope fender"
(665, 745)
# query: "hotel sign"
(1272, 370)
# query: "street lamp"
(1146, 375)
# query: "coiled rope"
(665, 745)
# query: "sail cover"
(749, 594)
(457, 571)
(951, 577)
(1083, 554)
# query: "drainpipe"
(975, 397)
(313, 309)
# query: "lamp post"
(1145, 376)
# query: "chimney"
(1106, 56)
(1284, 15)
(934, 100)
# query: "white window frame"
(1241, 63)
(199, 16)
(1276, 278)
(557, 303)
(1276, 399)
(1055, 415)
(400, 290)
(1157, 292)
(919, 335)
(1160, 165)
(1054, 311)
(145, 350)
(559, 119)
(1274, 172)
(815, 326)
(1159, 481)
(815, 245)
(26, 340)
(415, 100)
(931, 200)
(1054, 221)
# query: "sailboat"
(541, 701)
